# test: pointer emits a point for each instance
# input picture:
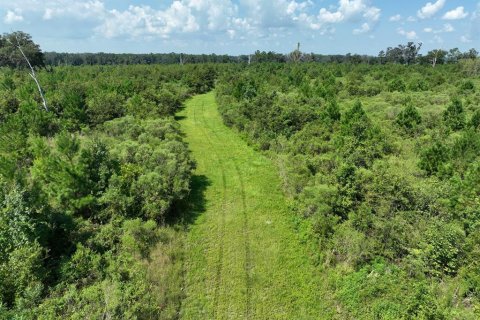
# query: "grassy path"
(243, 258)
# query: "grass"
(243, 257)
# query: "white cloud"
(438, 39)
(475, 24)
(348, 10)
(363, 29)
(215, 14)
(410, 35)
(77, 9)
(326, 16)
(446, 28)
(430, 9)
(465, 39)
(372, 14)
(145, 21)
(13, 16)
(456, 14)
(259, 18)
(395, 18)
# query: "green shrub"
(409, 118)
(397, 85)
(454, 116)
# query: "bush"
(397, 85)
(443, 252)
(454, 116)
(434, 158)
(409, 118)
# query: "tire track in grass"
(266, 271)
(218, 274)
(248, 258)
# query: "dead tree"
(296, 55)
(32, 73)
(434, 59)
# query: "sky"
(243, 26)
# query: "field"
(277, 187)
(244, 258)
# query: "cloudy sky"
(243, 26)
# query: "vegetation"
(382, 162)
(88, 191)
(245, 258)
(116, 202)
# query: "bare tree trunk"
(434, 60)
(34, 76)
(296, 55)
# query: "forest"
(379, 164)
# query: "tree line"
(401, 54)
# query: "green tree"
(409, 118)
(10, 56)
(433, 158)
(454, 116)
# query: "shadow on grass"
(186, 211)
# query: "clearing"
(243, 258)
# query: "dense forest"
(380, 157)
(383, 161)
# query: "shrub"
(397, 85)
(434, 157)
(409, 118)
(454, 116)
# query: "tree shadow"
(179, 118)
(186, 211)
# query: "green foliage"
(11, 56)
(154, 167)
(409, 118)
(467, 85)
(393, 242)
(104, 106)
(397, 85)
(434, 158)
(332, 111)
(475, 120)
(86, 188)
(454, 115)
(443, 251)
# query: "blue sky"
(243, 26)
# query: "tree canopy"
(10, 55)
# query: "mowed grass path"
(243, 259)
